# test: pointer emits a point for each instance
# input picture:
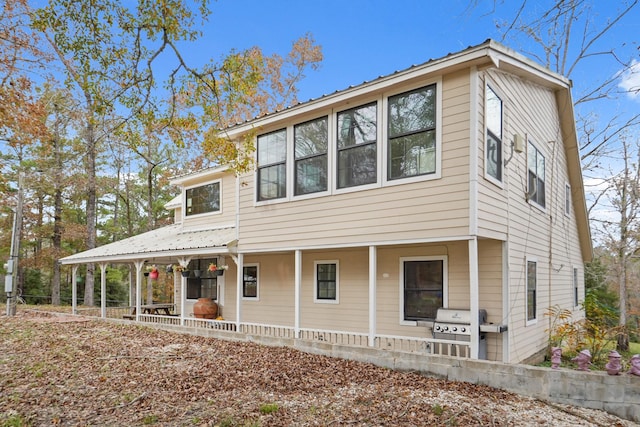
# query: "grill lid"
(459, 316)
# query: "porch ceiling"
(164, 244)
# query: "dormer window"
(203, 199)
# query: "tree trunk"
(57, 217)
(91, 205)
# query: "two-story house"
(455, 183)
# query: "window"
(203, 199)
(272, 165)
(202, 283)
(423, 288)
(250, 281)
(412, 133)
(357, 146)
(310, 147)
(536, 176)
(493, 111)
(532, 278)
(576, 301)
(326, 281)
(567, 199)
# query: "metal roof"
(161, 245)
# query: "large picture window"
(423, 288)
(203, 199)
(272, 165)
(326, 281)
(250, 281)
(412, 133)
(535, 160)
(493, 112)
(310, 148)
(357, 146)
(532, 286)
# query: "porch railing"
(356, 339)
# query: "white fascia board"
(128, 258)
(179, 180)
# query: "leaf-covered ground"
(70, 371)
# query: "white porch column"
(239, 282)
(103, 290)
(74, 290)
(138, 265)
(184, 262)
(474, 296)
(297, 291)
(132, 289)
(373, 282)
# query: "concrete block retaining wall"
(618, 395)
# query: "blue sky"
(363, 39)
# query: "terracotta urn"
(205, 308)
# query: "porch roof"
(164, 244)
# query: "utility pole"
(14, 255)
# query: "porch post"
(74, 290)
(297, 285)
(103, 290)
(184, 262)
(474, 295)
(138, 264)
(239, 284)
(373, 281)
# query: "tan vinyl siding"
(276, 303)
(227, 214)
(490, 276)
(434, 208)
(351, 311)
(533, 232)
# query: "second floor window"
(203, 199)
(357, 146)
(310, 149)
(272, 165)
(412, 133)
(536, 168)
(493, 111)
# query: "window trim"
(257, 297)
(186, 216)
(487, 175)
(294, 160)
(445, 283)
(529, 195)
(315, 282)
(534, 319)
(576, 287)
(286, 162)
(384, 143)
(333, 151)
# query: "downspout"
(474, 293)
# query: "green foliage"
(14, 420)
(437, 409)
(562, 326)
(269, 408)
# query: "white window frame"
(445, 284)
(291, 146)
(529, 199)
(315, 282)
(576, 287)
(384, 145)
(257, 297)
(287, 162)
(187, 217)
(487, 175)
(534, 320)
